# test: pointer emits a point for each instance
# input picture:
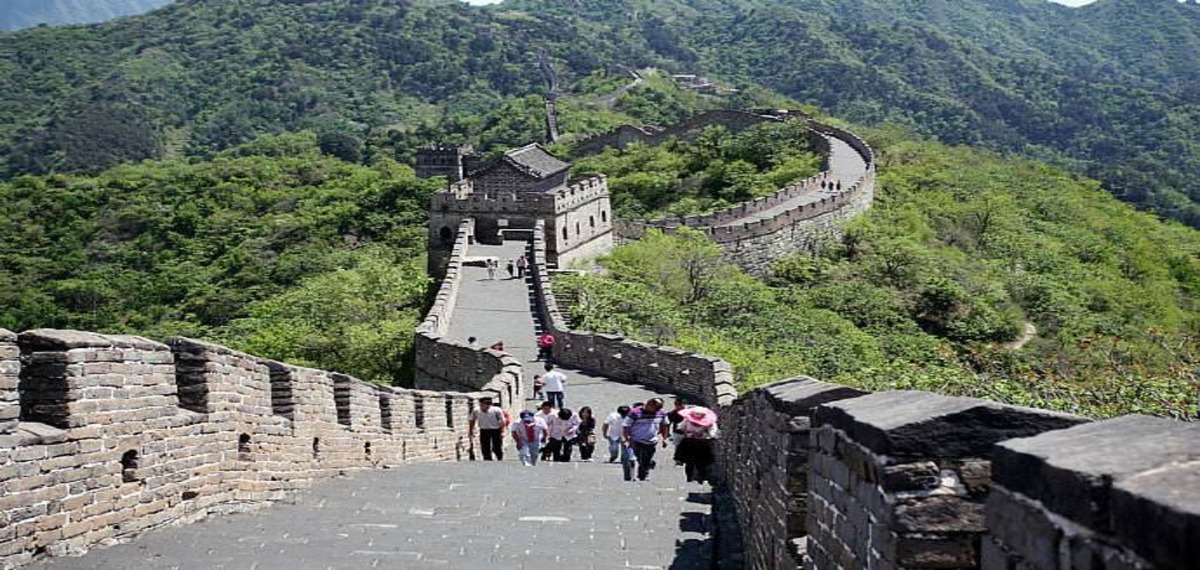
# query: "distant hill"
(17, 14)
(1109, 89)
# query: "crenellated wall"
(824, 476)
(119, 434)
(802, 216)
(443, 364)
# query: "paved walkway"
(567, 516)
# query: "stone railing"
(824, 476)
(120, 434)
(701, 377)
(443, 364)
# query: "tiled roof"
(535, 161)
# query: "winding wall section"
(798, 217)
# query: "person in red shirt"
(545, 343)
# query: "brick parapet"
(1120, 493)
(765, 449)
(127, 456)
(901, 479)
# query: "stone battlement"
(800, 216)
(825, 476)
(119, 434)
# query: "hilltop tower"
(509, 195)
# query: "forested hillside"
(972, 275)
(17, 14)
(1109, 89)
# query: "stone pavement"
(568, 516)
(439, 515)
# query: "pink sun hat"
(700, 416)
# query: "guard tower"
(449, 160)
(509, 195)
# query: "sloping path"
(845, 166)
(566, 516)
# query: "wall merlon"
(905, 425)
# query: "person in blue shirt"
(644, 429)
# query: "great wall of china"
(104, 437)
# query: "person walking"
(554, 382)
(511, 266)
(545, 343)
(695, 449)
(491, 264)
(644, 428)
(529, 434)
(585, 434)
(564, 428)
(491, 423)
(546, 413)
(612, 428)
(538, 386)
(522, 265)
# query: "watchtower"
(507, 197)
(451, 161)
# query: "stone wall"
(900, 479)
(765, 448)
(119, 434)
(10, 366)
(1123, 493)
(826, 477)
(443, 364)
(703, 377)
(753, 236)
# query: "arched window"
(578, 232)
(564, 233)
(603, 216)
(592, 221)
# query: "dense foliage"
(972, 275)
(271, 247)
(19, 14)
(1109, 89)
(716, 170)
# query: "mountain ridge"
(1108, 89)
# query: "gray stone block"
(909, 426)
(1170, 497)
(1072, 471)
(798, 396)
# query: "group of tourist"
(516, 267)
(633, 433)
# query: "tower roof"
(535, 161)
